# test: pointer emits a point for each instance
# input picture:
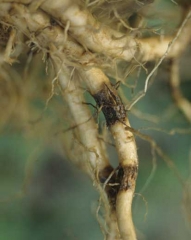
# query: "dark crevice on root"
(111, 105)
(108, 177)
(127, 177)
(120, 179)
(4, 34)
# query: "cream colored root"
(182, 103)
(94, 159)
(83, 119)
(90, 32)
(124, 215)
(127, 152)
(182, 29)
(36, 26)
(63, 47)
(101, 39)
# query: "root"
(81, 48)
(182, 103)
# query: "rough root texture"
(110, 104)
(127, 177)
(112, 186)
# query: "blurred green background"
(44, 196)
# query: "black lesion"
(110, 104)
(108, 177)
(127, 177)
(53, 22)
(119, 179)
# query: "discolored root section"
(80, 44)
(120, 185)
(127, 177)
(110, 104)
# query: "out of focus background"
(45, 196)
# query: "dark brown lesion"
(111, 105)
(127, 176)
(108, 177)
(119, 179)
(5, 31)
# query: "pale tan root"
(183, 104)
(128, 160)
(83, 119)
(127, 151)
(123, 207)
(31, 23)
(93, 157)
(69, 48)
(103, 39)
(92, 35)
